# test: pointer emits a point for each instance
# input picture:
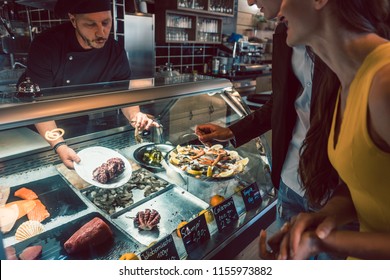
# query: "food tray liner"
(174, 205)
(58, 197)
(52, 242)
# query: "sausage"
(92, 234)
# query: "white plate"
(93, 157)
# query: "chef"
(80, 51)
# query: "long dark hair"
(316, 172)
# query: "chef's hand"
(210, 132)
(68, 156)
(143, 121)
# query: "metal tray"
(58, 197)
(136, 186)
(52, 242)
(174, 205)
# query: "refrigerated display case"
(91, 118)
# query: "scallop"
(28, 229)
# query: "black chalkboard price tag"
(251, 196)
(195, 233)
(225, 214)
(165, 249)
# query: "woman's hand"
(208, 132)
(273, 243)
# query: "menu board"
(251, 196)
(195, 233)
(165, 249)
(225, 214)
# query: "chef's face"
(270, 8)
(303, 20)
(92, 30)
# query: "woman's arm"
(338, 211)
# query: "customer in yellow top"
(350, 36)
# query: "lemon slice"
(174, 160)
(244, 161)
(239, 167)
(216, 147)
(194, 172)
(227, 173)
(234, 155)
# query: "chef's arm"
(67, 154)
(138, 119)
(43, 127)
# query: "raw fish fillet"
(39, 212)
(24, 206)
(25, 193)
(8, 217)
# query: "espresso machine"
(246, 57)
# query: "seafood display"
(207, 162)
(147, 220)
(108, 170)
(93, 233)
(113, 200)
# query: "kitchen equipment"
(28, 89)
(139, 44)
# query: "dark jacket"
(278, 114)
(57, 59)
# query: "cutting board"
(19, 141)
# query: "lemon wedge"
(216, 147)
(244, 161)
(234, 155)
(174, 160)
(209, 171)
(194, 172)
(239, 167)
(227, 173)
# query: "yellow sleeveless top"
(360, 163)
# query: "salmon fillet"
(25, 193)
(39, 212)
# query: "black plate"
(139, 153)
(55, 194)
(52, 242)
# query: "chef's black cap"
(63, 7)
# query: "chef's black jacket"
(57, 59)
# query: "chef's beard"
(92, 43)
